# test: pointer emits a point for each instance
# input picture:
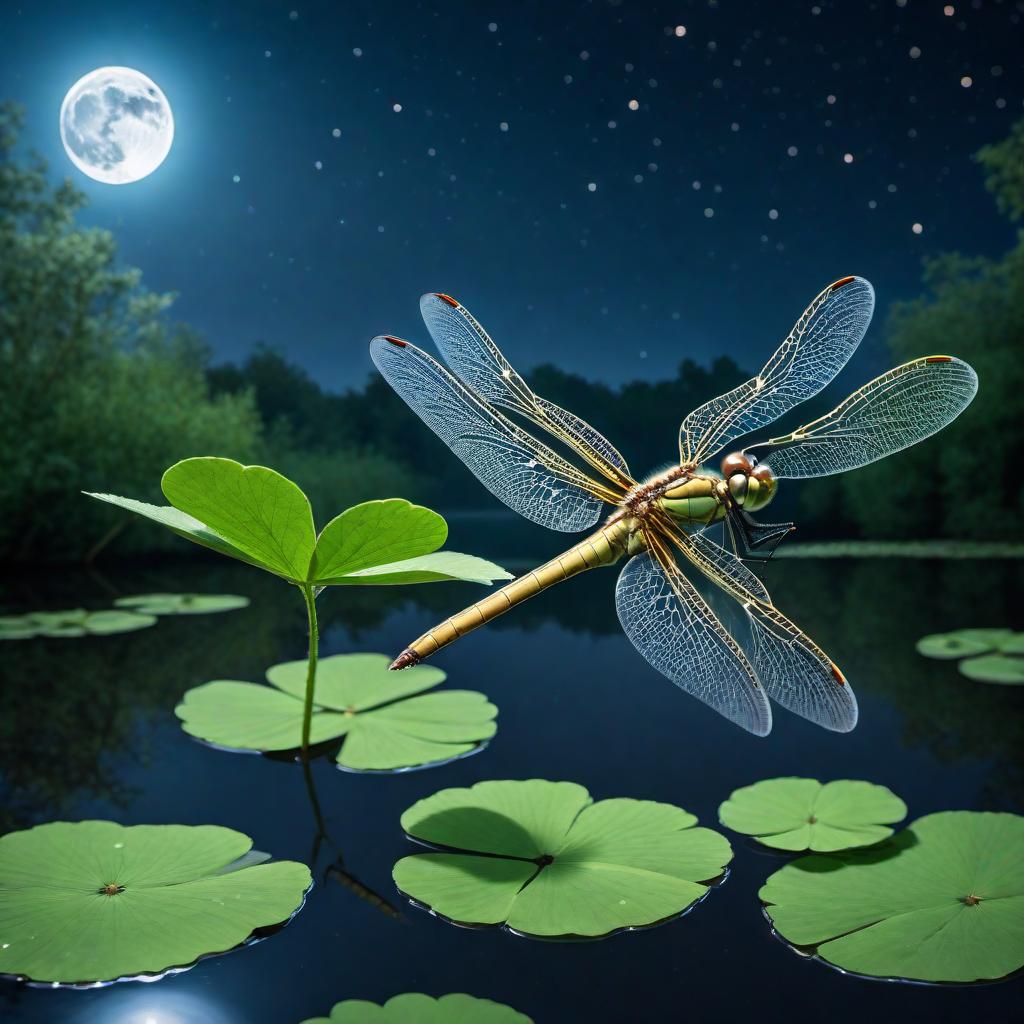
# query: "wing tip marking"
(395, 341)
(447, 298)
(838, 674)
(841, 283)
(938, 359)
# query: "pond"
(88, 730)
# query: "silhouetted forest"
(642, 418)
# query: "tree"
(966, 482)
(98, 390)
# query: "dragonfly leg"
(753, 540)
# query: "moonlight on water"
(116, 125)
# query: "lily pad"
(994, 668)
(456, 1008)
(950, 646)
(94, 901)
(74, 622)
(803, 814)
(258, 516)
(942, 901)
(1013, 645)
(385, 725)
(965, 643)
(542, 859)
(183, 604)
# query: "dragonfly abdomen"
(604, 547)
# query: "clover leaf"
(456, 1008)
(93, 901)
(803, 814)
(258, 516)
(942, 901)
(385, 726)
(542, 859)
(75, 622)
(183, 604)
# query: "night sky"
(611, 186)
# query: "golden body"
(692, 499)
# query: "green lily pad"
(75, 622)
(94, 901)
(803, 814)
(542, 859)
(994, 668)
(416, 1008)
(942, 901)
(949, 646)
(183, 604)
(1013, 645)
(258, 516)
(385, 726)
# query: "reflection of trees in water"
(71, 705)
(872, 612)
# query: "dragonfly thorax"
(704, 497)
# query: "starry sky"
(609, 185)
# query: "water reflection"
(157, 1006)
(335, 870)
(69, 708)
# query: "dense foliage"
(966, 482)
(95, 384)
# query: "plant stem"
(314, 638)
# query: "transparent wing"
(817, 348)
(671, 625)
(469, 351)
(516, 468)
(795, 671)
(892, 412)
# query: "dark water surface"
(88, 730)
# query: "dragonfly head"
(751, 486)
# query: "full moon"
(116, 125)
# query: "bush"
(98, 390)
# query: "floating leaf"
(803, 814)
(949, 646)
(1013, 645)
(74, 622)
(95, 901)
(457, 1008)
(258, 516)
(384, 725)
(183, 604)
(992, 637)
(994, 668)
(942, 901)
(544, 860)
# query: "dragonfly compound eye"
(736, 463)
(738, 487)
(761, 488)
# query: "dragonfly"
(661, 524)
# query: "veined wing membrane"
(817, 348)
(469, 351)
(672, 626)
(890, 413)
(516, 468)
(795, 671)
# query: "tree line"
(101, 389)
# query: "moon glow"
(116, 125)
